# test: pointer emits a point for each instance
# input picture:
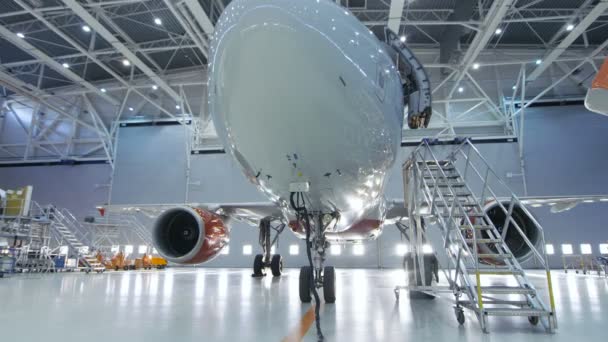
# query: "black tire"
(460, 317)
(276, 265)
(533, 320)
(258, 265)
(329, 284)
(305, 280)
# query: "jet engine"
(187, 235)
(514, 240)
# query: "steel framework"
(66, 93)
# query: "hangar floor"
(187, 304)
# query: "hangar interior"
(105, 102)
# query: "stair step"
(463, 203)
(495, 256)
(479, 227)
(506, 290)
(437, 167)
(496, 271)
(487, 301)
(515, 312)
(484, 240)
(457, 215)
(457, 193)
(446, 184)
(432, 176)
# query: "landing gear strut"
(264, 260)
(324, 276)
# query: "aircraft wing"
(559, 204)
(396, 210)
(250, 213)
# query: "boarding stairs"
(448, 187)
(68, 231)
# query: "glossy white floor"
(200, 304)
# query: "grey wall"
(566, 151)
(566, 154)
(78, 188)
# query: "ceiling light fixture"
(86, 28)
(158, 21)
(20, 35)
(65, 65)
(403, 39)
(475, 66)
(498, 31)
(126, 62)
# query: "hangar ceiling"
(73, 70)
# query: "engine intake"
(513, 239)
(187, 235)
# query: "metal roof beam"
(66, 72)
(129, 55)
(200, 16)
(193, 36)
(394, 15)
(23, 88)
(579, 29)
(491, 21)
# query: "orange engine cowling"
(187, 235)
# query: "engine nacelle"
(513, 239)
(187, 235)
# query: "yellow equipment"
(158, 262)
(18, 201)
(120, 262)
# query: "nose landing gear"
(266, 260)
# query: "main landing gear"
(265, 260)
(318, 275)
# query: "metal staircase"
(68, 231)
(450, 192)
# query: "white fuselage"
(301, 91)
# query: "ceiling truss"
(77, 118)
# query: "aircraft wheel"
(305, 280)
(533, 320)
(329, 284)
(460, 316)
(276, 265)
(258, 265)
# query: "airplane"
(310, 104)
